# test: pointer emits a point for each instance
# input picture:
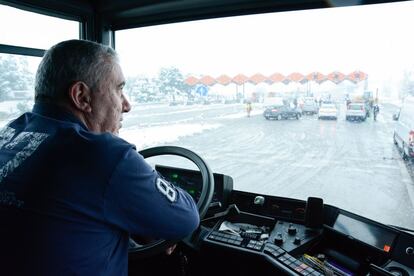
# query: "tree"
(171, 82)
(141, 89)
(14, 75)
(407, 84)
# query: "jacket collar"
(56, 112)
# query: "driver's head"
(85, 78)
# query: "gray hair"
(68, 62)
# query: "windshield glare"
(205, 85)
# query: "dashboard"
(245, 233)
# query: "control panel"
(290, 236)
(272, 242)
(325, 250)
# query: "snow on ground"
(241, 114)
(147, 137)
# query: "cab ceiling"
(120, 14)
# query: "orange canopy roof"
(191, 81)
(257, 78)
(356, 76)
(224, 79)
(336, 77)
(298, 77)
(240, 79)
(316, 76)
(276, 77)
(208, 80)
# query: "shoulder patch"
(166, 189)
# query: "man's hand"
(146, 240)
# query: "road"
(352, 165)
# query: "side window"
(28, 33)
(16, 85)
(28, 29)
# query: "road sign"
(202, 90)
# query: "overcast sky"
(376, 39)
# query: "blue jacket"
(69, 198)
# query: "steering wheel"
(139, 251)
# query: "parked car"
(280, 112)
(328, 111)
(356, 111)
(404, 129)
(310, 107)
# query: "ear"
(80, 96)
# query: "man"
(248, 108)
(376, 111)
(71, 191)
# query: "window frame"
(84, 20)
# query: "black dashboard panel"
(375, 235)
(279, 207)
(276, 231)
(403, 251)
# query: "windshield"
(205, 85)
(356, 107)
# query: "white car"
(356, 111)
(404, 129)
(310, 106)
(328, 111)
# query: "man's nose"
(126, 106)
